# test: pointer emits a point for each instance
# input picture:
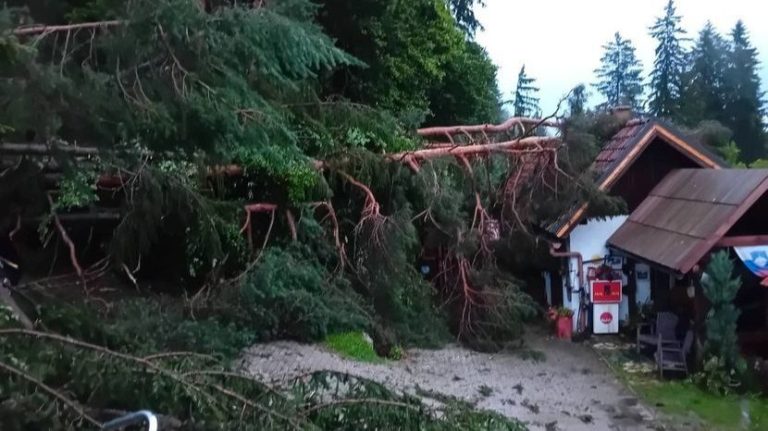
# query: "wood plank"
(742, 241)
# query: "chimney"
(622, 113)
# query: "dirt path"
(570, 390)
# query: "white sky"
(560, 41)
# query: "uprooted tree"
(191, 143)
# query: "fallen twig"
(67, 240)
(309, 408)
(38, 29)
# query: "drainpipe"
(553, 250)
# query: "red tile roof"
(615, 150)
(617, 155)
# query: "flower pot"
(564, 327)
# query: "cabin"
(631, 165)
(686, 217)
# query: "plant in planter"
(562, 318)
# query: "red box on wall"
(606, 291)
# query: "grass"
(353, 345)
(682, 400)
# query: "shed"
(690, 214)
(692, 211)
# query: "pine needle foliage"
(91, 368)
(526, 103)
(619, 79)
(724, 365)
(669, 65)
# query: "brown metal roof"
(687, 213)
(618, 154)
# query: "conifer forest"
(181, 179)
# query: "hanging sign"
(756, 260)
(606, 291)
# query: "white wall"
(588, 239)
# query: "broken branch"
(38, 29)
(67, 240)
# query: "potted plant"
(563, 320)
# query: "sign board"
(606, 291)
(605, 318)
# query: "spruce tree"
(464, 14)
(704, 93)
(526, 101)
(667, 74)
(619, 73)
(743, 101)
(723, 361)
(577, 100)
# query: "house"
(687, 216)
(642, 154)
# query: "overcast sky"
(560, 41)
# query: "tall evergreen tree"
(619, 73)
(744, 99)
(463, 12)
(526, 101)
(577, 100)
(668, 68)
(704, 93)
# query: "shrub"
(723, 367)
(291, 295)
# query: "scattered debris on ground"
(554, 394)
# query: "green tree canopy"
(669, 65)
(577, 100)
(619, 79)
(744, 104)
(416, 57)
(704, 96)
(463, 11)
(526, 103)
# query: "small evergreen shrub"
(291, 295)
(723, 365)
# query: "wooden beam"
(742, 241)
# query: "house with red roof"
(635, 160)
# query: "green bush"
(724, 367)
(291, 295)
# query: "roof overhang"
(655, 131)
(688, 214)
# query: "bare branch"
(45, 29)
(507, 125)
(67, 240)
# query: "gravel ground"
(571, 389)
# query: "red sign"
(606, 292)
(606, 318)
